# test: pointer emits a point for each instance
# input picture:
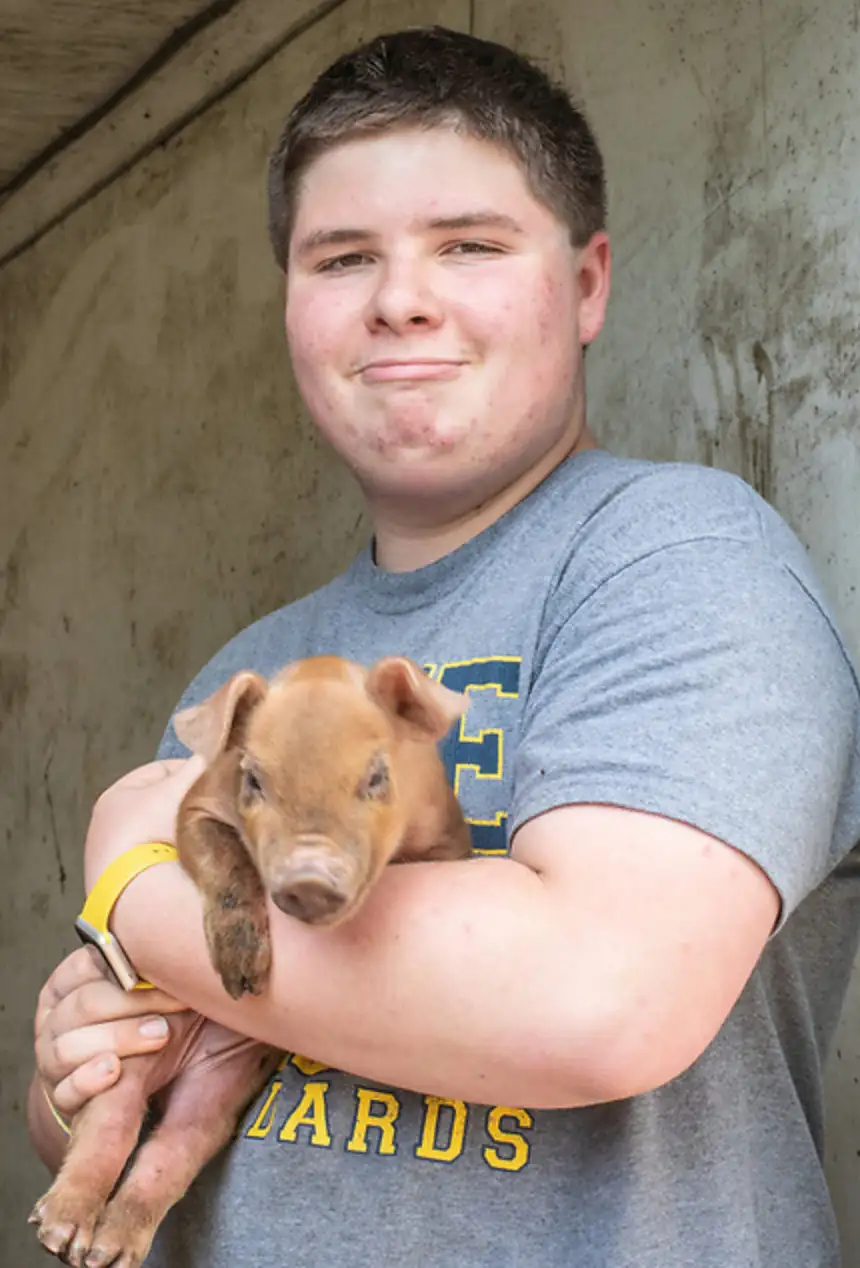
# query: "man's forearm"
(454, 979)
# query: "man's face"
(435, 312)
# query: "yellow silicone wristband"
(55, 1113)
(117, 875)
(113, 880)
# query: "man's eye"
(474, 248)
(341, 263)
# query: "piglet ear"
(426, 708)
(219, 723)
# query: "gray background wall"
(162, 484)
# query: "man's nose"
(404, 297)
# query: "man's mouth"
(402, 370)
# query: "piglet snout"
(316, 882)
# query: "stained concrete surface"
(731, 131)
(161, 488)
(62, 59)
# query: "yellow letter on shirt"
(429, 1146)
(310, 1112)
(365, 1118)
(518, 1145)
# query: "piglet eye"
(251, 783)
(376, 784)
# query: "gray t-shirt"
(645, 635)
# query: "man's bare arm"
(596, 963)
(49, 1139)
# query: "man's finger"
(95, 1076)
(60, 1057)
(142, 806)
(105, 1001)
(81, 968)
(180, 768)
(80, 992)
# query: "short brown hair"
(430, 77)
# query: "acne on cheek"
(313, 362)
(476, 457)
(552, 316)
(553, 309)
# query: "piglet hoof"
(66, 1220)
(123, 1236)
(240, 950)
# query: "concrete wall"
(732, 135)
(162, 485)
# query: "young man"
(600, 1041)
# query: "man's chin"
(425, 471)
(408, 449)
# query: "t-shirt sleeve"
(170, 746)
(701, 681)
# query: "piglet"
(313, 783)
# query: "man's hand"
(141, 806)
(85, 1025)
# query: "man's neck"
(402, 544)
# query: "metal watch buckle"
(112, 953)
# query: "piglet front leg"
(235, 919)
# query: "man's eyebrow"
(352, 236)
(331, 238)
(476, 220)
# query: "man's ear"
(424, 707)
(220, 722)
